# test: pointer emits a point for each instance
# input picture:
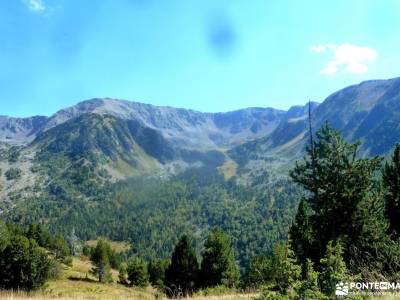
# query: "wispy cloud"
(35, 5)
(346, 57)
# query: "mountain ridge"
(215, 129)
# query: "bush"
(87, 250)
(123, 275)
(14, 155)
(218, 290)
(333, 269)
(55, 269)
(67, 261)
(13, 174)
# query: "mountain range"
(187, 128)
(137, 137)
(105, 163)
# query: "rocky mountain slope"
(20, 130)
(368, 112)
(187, 128)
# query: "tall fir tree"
(285, 268)
(218, 266)
(101, 261)
(181, 276)
(333, 269)
(284, 274)
(309, 287)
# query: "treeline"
(29, 256)
(181, 275)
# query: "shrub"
(13, 174)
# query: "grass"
(116, 246)
(228, 169)
(76, 283)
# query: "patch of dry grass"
(228, 169)
(105, 294)
(116, 246)
(76, 283)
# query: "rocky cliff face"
(20, 130)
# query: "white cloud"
(35, 5)
(346, 57)
(318, 48)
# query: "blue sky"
(208, 55)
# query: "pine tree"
(301, 235)
(286, 271)
(39, 234)
(343, 193)
(72, 240)
(137, 272)
(218, 266)
(101, 262)
(23, 264)
(309, 287)
(333, 269)
(157, 269)
(258, 273)
(60, 248)
(391, 181)
(285, 274)
(182, 274)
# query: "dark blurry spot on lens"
(222, 36)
